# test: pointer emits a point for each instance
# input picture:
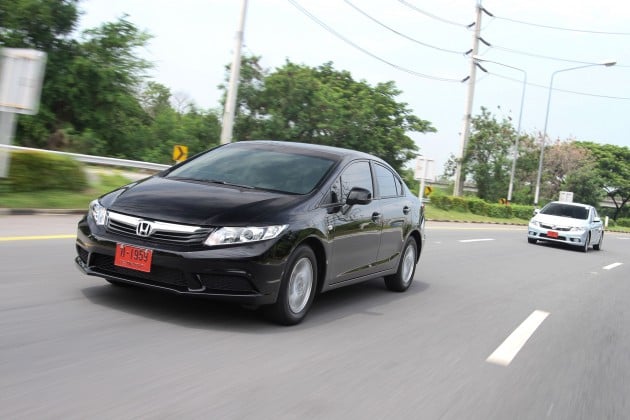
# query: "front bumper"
(575, 238)
(248, 274)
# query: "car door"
(355, 230)
(395, 215)
(595, 225)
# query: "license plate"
(552, 234)
(134, 258)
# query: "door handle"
(406, 210)
(376, 216)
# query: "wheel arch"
(320, 254)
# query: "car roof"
(315, 149)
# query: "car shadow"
(365, 298)
(559, 245)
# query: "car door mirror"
(358, 196)
(536, 211)
(597, 220)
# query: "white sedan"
(569, 223)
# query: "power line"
(547, 57)
(560, 28)
(450, 22)
(364, 51)
(621, 98)
(400, 33)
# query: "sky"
(418, 44)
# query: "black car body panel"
(352, 242)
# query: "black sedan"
(259, 223)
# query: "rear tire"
(402, 279)
(598, 246)
(297, 289)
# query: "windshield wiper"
(230, 184)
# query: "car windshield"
(256, 168)
(565, 210)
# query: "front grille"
(557, 228)
(161, 232)
(105, 264)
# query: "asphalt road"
(555, 321)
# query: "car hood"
(195, 203)
(548, 219)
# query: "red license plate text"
(552, 234)
(134, 258)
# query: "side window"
(388, 184)
(358, 174)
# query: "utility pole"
(230, 102)
(460, 176)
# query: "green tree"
(326, 106)
(569, 167)
(487, 156)
(613, 169)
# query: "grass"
(433, 213)
(61, 199)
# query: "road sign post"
(424, 171)
(180, 153)
(21, 78)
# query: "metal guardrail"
(97, 160)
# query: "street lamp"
(518, 129)
(542, 145)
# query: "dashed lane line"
(475, 240)
(507, 351)
(613, 265)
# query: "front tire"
(297, 289)
(402, 279)
(586, 243)
(598, 246)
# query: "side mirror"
(536, 211)
(597, 220)
(358, 196)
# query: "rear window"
(256, 168)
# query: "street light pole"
(230, 101)
(544, 137)
(518, 129)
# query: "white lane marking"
(507, 351)
(611, 266)
(475, 240)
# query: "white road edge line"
(475, 240)
(613, 265)
(507, 351)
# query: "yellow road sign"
(428, 190)
(180, 153)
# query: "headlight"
(534, 223)
(240, 235)
(98, 213)
(578, 229)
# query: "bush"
(478, 206)
(35, 171)
(622, 222)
